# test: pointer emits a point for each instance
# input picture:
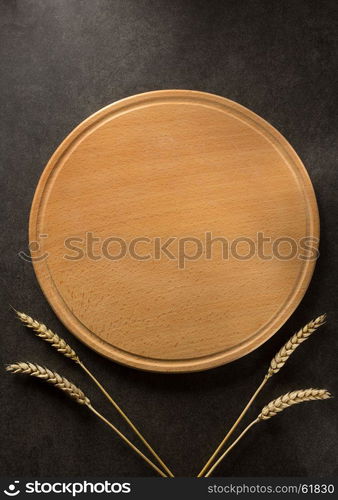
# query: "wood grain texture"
(173, 164)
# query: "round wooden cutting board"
(174, 231)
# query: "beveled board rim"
(183, 365)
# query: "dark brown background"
(61, 61)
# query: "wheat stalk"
(53, 378)
(61, 346)
(274, 407)
(277, 362)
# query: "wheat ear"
(279, 360)
(274, 407)
(292, 398)
(75, 393)
(276, 364)
(61, 346)
(51, 377)
(47, 335)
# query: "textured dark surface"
(61, 61)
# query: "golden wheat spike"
(41, 372)
(298, 338)
(61, 346)
(276, 364)
(274, 407)
(292, 398)
(46, 334)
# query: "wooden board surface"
(173, 166)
